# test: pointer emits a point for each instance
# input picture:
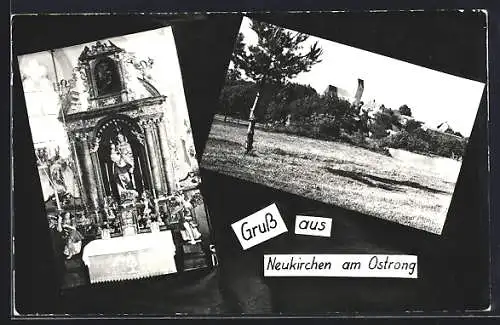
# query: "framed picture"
(112, 140)
(342, 125)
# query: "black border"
(494, 36)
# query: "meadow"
(407, 188)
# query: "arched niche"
(106, 134)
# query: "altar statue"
(144, 216)
(145, 201)
(123, 164)
(190, 232)
(73, 238)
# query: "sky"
(434, 97)
(38, 73)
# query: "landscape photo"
(342, 125)
(116, 159)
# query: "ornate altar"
(119, 140)
(123, 171)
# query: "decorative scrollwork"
(82, 136)
(139, 136)
(109, 101)
(149, 122)
(197, 199)
(95, 146)
(99, 48)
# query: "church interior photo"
(120, 178)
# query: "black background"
(453, 268)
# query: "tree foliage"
(278, 108)
(278, 55)
(405, 110)
(267, 67)
(294, 91)
(236, 98)
(412, 125)
(234, 73)
(382, 121)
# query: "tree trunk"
(228, 113)
(251, 125)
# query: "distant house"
(443, 129)
(341, 93)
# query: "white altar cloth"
(130, 257)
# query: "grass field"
(407, 188)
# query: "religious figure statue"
(213, 255)
(147, 209)
(145, 214)
(190, 232)
(123, 164)
(108, 210)
(73, 238)
(57, 177)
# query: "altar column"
(152, 156)
(77, 170)
(166, 157)
(89, 172)
(98, 175)
(163, 172)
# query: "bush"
(447, 146)
(302, 109)
(276, 112)
(382, 122)
(317, 126)
(405, 110)
(412, 126)
(359, 140)
(407, 141)
(378, 131)
(426, 142)
(327, 126)
(236, 99)
(329, 129)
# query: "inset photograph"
(342, 125)
(116, 159)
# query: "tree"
(405, 110)
(302, 108)
(236, 98)
(276, 58)
(383, 120)
(233, 76)
(278, 108)
(413, 125)
(293, 91)
(233, 73)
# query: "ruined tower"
(359, 92)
